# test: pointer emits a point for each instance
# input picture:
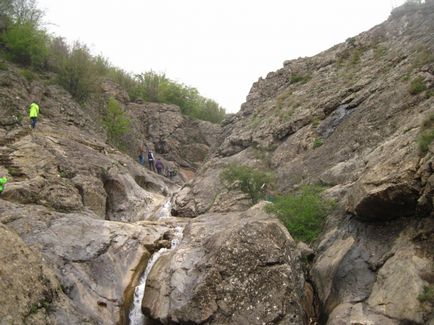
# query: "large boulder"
(234, 268)
(375, 272)
(97, 262)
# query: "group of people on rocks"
(154, 165)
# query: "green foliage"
(351, 41)
(427, 295)
(302, 212)
(426, 135)
(27, 74)
(249, 180)
(77, 72)
(299, 78)
(417, 86)
(318, 142)
(315, 121)
(158, 88)
(423, 56)
(25, 44)
(115, 121)
(20, 11)
(379, 52)
(356, 54)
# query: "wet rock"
(97, 262)
(235, 268)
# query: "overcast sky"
(219, 47)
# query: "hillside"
(357, 119)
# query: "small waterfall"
(164, 211)
(136, 316)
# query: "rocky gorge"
(80, 219)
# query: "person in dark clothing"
(141, 155)
(151, 159)
(159, 165)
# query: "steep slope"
(74, 240)
(349, 118)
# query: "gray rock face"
(234, 268)
(346, 119)
(374, 271)
(171, 135)
(72, 266)
(96, 261)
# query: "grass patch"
(285, 115)
(356, 56)
(379, 52)
(251, 181)
(318, 142)
(26, 73)
(302, 212)
(299, 78)
(254, 122)
(417, 86)
(423, 56)
(427, 294)
(315, 121)
(426, 135)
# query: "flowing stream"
(136, 316)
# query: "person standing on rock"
(159, 165)
(33, 114)
(151, 160)
(142, 154)
(3, 181)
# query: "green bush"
(417, 86)
(426, 135)
(380, 51)
(115, 122)
(158, 88)
(249, 180)
(27, 74)
(300, 78)
(318, 142)
(422, 57)
(25, 44)
(77, 73)
(427, 295)
(303, 212)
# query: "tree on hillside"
(23, 38)
(22, 11)
(115, 121)
(77, 72)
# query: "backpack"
(150, 156)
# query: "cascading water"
(164, 211)
(136, 316)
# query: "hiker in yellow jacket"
(33, 114)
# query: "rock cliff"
(74, 242)
(354, 119)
